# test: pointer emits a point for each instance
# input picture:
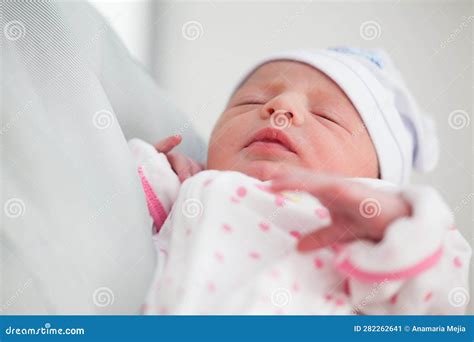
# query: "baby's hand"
(357, 211)
(182, 165)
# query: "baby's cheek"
(324, 154)
(342, 155)
(364, 159)
(217, 158)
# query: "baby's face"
(288, 114)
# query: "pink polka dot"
(457, 262)
(453, 227)
(340, 302)
(227, 228)
(234, 200)
(207, 182)
(428, 296)
(254, 255)
(241, 191)
(295, 287)
(188, 232)
(322, 213)
(219, 256)
(264, 227)
(295, 234)
(275, 274)
(318, 263)
(263, 187)
(279, 200)
(211, 287)
(337, 248)
(328, 296)
(394, 299)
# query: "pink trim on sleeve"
(156, 209)
(351, 270)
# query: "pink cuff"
(156, 209)
(346, 267)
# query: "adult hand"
(357, 211)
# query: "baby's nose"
(289, 115)
(281, 119)
(284, 107)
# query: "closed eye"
(244, 101)
(249, 102)
(326, 117)
(339, 121)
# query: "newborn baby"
(303, 207)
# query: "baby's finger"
(181, 165)
(167, 144)
(195, 167)
(324, 237)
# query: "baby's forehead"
(282, 69)
(278, 75)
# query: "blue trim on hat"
(369, 55)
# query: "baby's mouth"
(270, 144)
(270, 139)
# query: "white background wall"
(431, 42)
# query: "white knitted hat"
(403, 137)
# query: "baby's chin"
(263, 170)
